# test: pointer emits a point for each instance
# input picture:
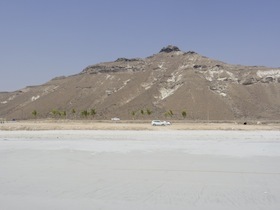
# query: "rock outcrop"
(169, 48)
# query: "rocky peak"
(169, 48)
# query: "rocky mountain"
(160, 86)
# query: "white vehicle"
(166, 123)
(115, 119)
(157, 123)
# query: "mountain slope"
(169, 80)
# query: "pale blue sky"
(42, 39)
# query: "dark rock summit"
(169, 48)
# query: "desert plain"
(47, 165)
(50, 124)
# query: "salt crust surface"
(140, 170)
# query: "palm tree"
(59, 113)
(168, 113)
(149, 112)
(184, 114)
(92, 112)
(35, 113)
(63, 113)
(133, 113)
(171, 113)
(54, 112)
(73, 113)
(84, 113)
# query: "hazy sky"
(42, 39)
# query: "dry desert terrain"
(132, 125)
(75, 164)
(155, 169)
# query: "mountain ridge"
(171, 80)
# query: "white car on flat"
(160, 123)
(157, 123)
(166, 123)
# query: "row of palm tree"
(86, 113)
(168, 113)
(92, 112)
(58, 113)
(62, 113)
(142, 112)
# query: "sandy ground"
(130, 125)
(151, 170)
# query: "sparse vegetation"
(84, 113)
(184, 114)
(148, 111)
(54, 112)
(63, 113)
(58, 113)
(34, 113)
(133, 113)
(169, 113)
(142, 112)
(92, 112)
(73, 112)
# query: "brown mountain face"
(160, 86)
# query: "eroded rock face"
(200, 67)
(110, 69)
(248, 81)
(267, 80)
(169, 48)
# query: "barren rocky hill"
(163, 85)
